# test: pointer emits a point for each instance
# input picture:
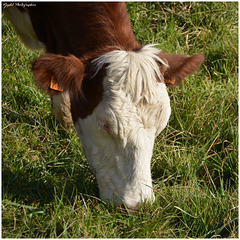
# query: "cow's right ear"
(56, 73)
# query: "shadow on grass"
(42, 181)
(35, 190)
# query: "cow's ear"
(56, 73)
(179, 67)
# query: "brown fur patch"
(80, 28)
(180, 66)
(81, 32)
(68, 72)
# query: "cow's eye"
(103, 125)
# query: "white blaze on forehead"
(135, 73)
(118, 136)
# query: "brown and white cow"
(112, 88)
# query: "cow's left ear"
(56, 73)
(179, 67)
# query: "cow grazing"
(111, 87)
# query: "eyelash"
(103, 125)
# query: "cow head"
(119, 104)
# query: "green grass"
(48, 189)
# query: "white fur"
(23, 26)
(136, 108)
(135, 72)
(61, 108)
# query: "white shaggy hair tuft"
(134, 72)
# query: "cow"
(112, 88)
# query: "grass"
(48, 189)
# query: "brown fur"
(67, 71)
(87, 30)
(180, 66)
(80, 28)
